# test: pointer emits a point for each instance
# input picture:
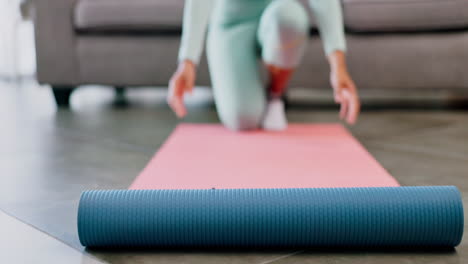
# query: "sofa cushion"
(405, 15)
(128, 15)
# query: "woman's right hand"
(181, 82)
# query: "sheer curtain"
(17, 54)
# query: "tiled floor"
(48, 156)
(21, 243)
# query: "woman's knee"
(283, 33)
(288, 17)
(241, 118)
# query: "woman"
(241, 32)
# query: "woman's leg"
(278, 80)
(232, 56)
(233, 61)
(282, 36)
(283, 32)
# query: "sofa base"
(436, 60)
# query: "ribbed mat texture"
(378, 216)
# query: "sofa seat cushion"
(405, 15)
(134, 15)
(128, 15)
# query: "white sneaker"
(275, 117)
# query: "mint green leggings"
(241, 32)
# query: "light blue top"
(197, 13)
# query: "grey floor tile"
(381, 125)
(21, 243)
(205, 257)
(141, 123)
(383, 257)
(418, 168)
(450, 141)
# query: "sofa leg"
(119, 91)
(120, 99)
(286, 101)
(62, 95)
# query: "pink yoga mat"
(204, 156)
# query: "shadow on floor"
(460, 105)
(306, 250)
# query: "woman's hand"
(181, 82)
(345, 92)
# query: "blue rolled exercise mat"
(369, 217)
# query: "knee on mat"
(242, 121)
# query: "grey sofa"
(393, 44)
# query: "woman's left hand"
(344, 89)
(345, 94)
